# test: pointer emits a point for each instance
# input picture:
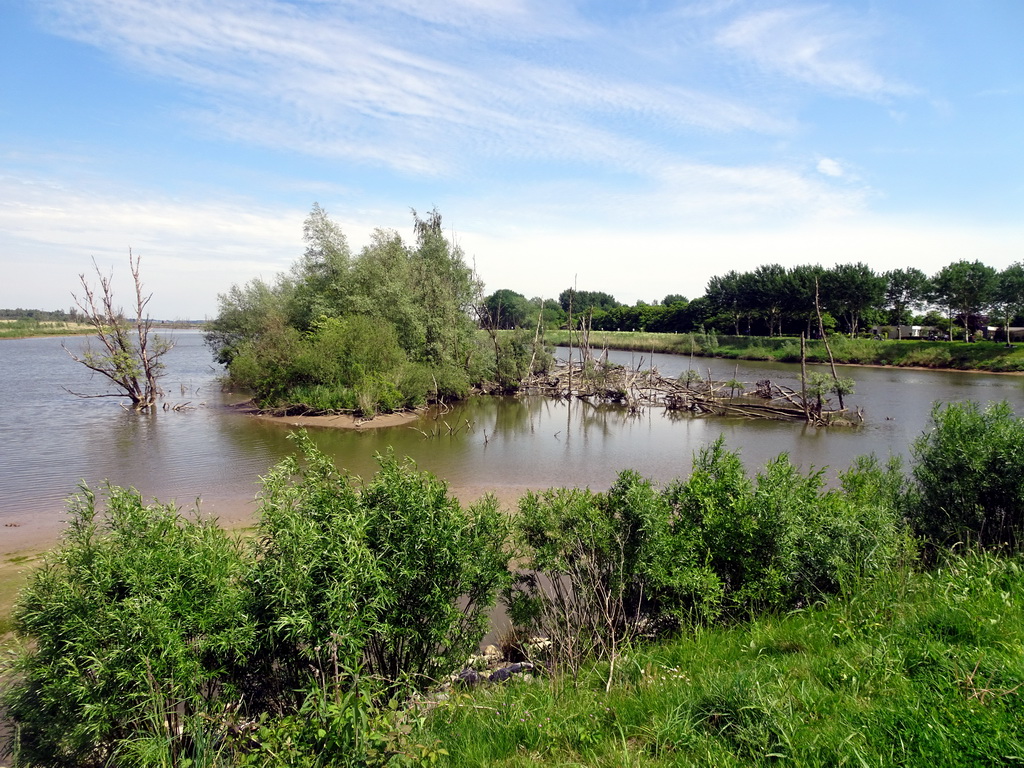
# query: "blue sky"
(634, 148)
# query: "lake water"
(52, 440)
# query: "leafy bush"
(351, 348)
(415, 382)
(603, 567)
(449, 383)
(390, 582)
(153, 639)
(267, 365)
(139, 628)
(516, 352)
(579, 560)
(969, 476)
(784, 539)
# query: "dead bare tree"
(129, 356)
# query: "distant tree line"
(41, 315)
(774, 300)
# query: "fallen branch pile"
(600, 381)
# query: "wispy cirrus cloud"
(363, 82)
(815, 45)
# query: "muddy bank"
(334, 421)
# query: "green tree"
(965, 288)
(725, 294)
(906, 290)
(245, 313)
(129, 355)
(320, 275)
(851, 290)
(803, 281)
(1008, 297)
(445, 289)
(582, 302)
(505, 309)
(768, 294)
(382, 287)
(551, 313)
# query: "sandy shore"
(337, 421)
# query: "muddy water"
(209, 451)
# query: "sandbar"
(334, 421)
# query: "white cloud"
(365, 83)
(700, 222)
(190, 251)
(830, 167)
(813, 45)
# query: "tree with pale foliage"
(129, 355)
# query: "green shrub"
(415, 382)
(390, 582)
(601, 568)
(138, 632)
(151, 639)
(572, 580)
(969, 476)
(349, 349)
(449, 383)
(784, 540)
(268, 365)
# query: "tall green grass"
(20, 329)
(910, 669)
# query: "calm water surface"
(53, 440)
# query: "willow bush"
(137, 630)
(152, 638)
(603, 567)
(390, 580)
(969, 477)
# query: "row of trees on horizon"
(775, 300)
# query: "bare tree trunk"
(128, 357)
(824, 338)
(803, 377)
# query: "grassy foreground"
(917, 669)
(978, 356)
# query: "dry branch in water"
(128, 356)
(645, 387)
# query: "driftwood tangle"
(599, 381)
